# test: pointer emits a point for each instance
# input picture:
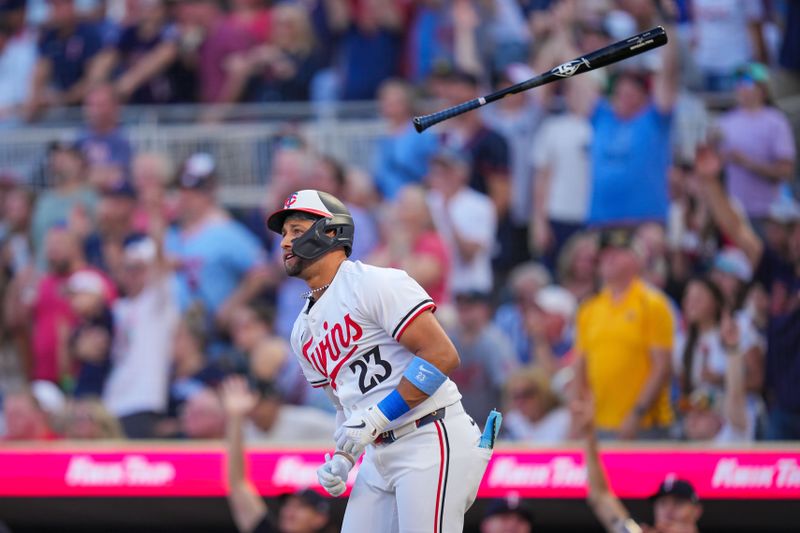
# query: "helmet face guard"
(316, 242)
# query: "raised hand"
(707, 164)
(237, 398)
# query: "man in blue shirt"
(630, 152)
(219, 263)
(65, 51)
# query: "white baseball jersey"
(349, 338)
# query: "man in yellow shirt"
(624, 342)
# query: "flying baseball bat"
(624, 49)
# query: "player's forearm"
(445, 360)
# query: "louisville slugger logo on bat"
(565, 70)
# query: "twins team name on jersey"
(337, 340)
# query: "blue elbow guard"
(424, 376)
(393, 406)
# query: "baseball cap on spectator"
(616, 238)
(784, 210)
(756, 72)
(472, 296)
(679, 488)
(140, 250)
(452, 157)
(733, 261)
(198, 172)
(508, 505)
(312, 499)
(88, 281)
(120, 189)
(557, 300)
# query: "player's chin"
(294, 266)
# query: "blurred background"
(622, 231)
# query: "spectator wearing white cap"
(550, 320)
(145, 324)
(90, 339)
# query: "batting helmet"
(332, 215)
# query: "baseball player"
(368, 336)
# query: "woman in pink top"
(411, 243)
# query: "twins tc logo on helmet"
(290, 201)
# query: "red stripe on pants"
(439, 484)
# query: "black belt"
(388, 437)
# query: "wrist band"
(346, 456)
(424, 376)
(393, 406)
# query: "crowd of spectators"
(598, 238)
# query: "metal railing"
(244, 151)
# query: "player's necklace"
(312, 292)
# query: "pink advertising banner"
(199, 471)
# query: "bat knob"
(418, 124)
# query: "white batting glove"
(359, 430)
(332, 475)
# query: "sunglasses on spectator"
(523, 394)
